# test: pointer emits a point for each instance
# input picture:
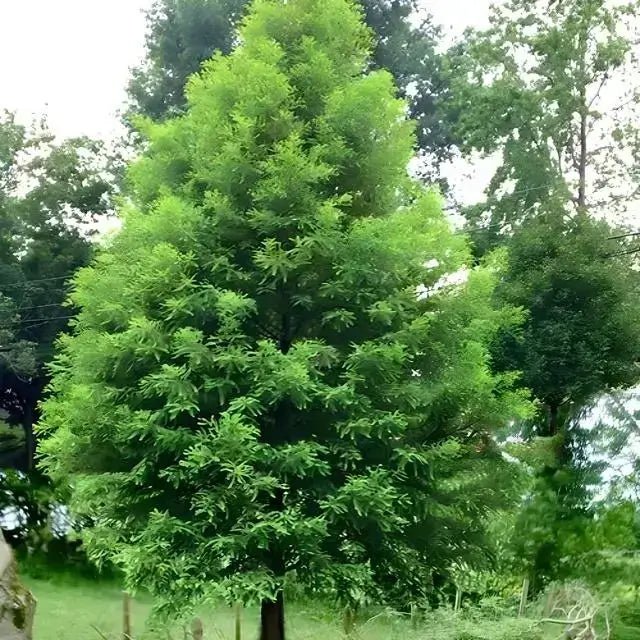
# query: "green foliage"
(50, 194)
(254, 387)
(580, 337)
(10, 437)
(29, 501)
(48, 191)
(182, 34)
(555, 537)
(531, 90)
(12, 442)
(534, 87)
(626, 621)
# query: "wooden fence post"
(196, 629)
(523, 597)
(549, 600)
(414, 617)
(458, 603)
(126, 616)
(238, 621)
(348, 619)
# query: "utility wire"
(622, 253)
(23, 282)
(625, 235)
(40, 306)
(32, 323)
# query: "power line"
(23, 282)
(40, 306)
(625, 235)
(29, 322)
(622, 253)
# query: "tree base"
(272, 619)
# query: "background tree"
(580, 337)
(537, 90)
(254, 390)
(182, 34)
(50, 193)
(550, 93)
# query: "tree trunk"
(584, 122)
(554, 421)
(582, 164)
(272, 618)
(29, 436)
(30, 393)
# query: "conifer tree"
(270, 377)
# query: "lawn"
(76, 611)
(68, 612)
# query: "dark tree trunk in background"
(272, 618)
(29, 392)
(554, 419)
(29, 436)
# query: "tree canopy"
(551, 93)
(548, 92)
(270, 374)
(182, 34)
(50, 192)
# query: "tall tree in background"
(537, 93)
(182, 34)
(551, 93)
(254, 389)
(580, 340)
(50, 193)
(16, 354)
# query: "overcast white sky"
(70, 59)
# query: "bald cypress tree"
(254, 389)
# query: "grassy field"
(74, 612)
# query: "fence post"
(458, 603)
(238, 621)
(523, 597)
(414, 617)
(126, 616)
(549, 600)
(196, 629)
(348, 619)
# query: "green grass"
(72, 611)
